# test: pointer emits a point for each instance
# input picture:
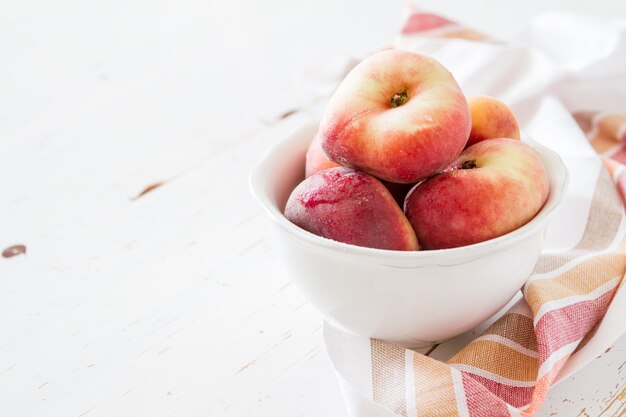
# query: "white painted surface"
(170, 304)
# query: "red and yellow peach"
(398, 115)
(350, 207)
(493, 188)
(491, 119)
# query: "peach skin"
(493, 188)
(398, 115)
(317, 161)
(350, 207)
(491, 119)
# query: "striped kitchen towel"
(509, 368)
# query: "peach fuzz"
(493, 188)
(398, 115)
(491, 119)
(350, 207)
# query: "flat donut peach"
(350, 207)
(493, 188)
(398, 115)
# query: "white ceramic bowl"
(411, 298)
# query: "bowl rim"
(259, 186)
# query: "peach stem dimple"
(469, 164)
(399, 98)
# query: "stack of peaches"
(403, 161)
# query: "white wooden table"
(127, 131)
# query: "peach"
(398, 115)
(493, 188)
(316, 161)
(350, 207)
(491, 119)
